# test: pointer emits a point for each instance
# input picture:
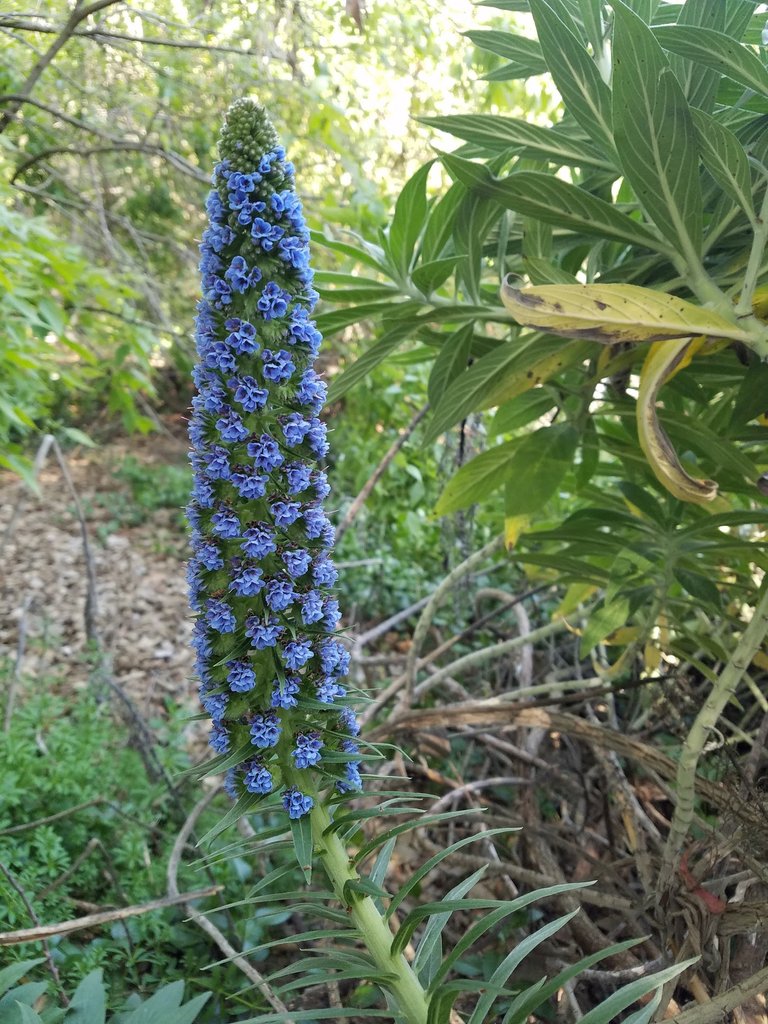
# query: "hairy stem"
(756, 255)
(706, 720)
(402, 982)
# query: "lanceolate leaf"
(521, 51)
(376, 354)
(725, 159)
(699, 84)
(555, 202)
(408, 220)
(450, 362)
(440, 220)
(662, 360)
(654, 134)
(575, 73)
(533, 467)
(613, 312)
(718, 51)
(499, 133)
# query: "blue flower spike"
(261, 579)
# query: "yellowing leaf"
(513, 527)
(760, 660)
(614, 312)
(651, 657)
(623, 635)
(576, 594)
(661, 361)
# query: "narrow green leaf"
(437, 918)
(536, 468)
(492, 920)
(429, 276)
(526, 53)
(541, 271)
(301, 830)
(370, 359)
(699, 84)
(592, 17)
(466, 393)
(159, 1006)
(629, 994)
(450, 363)
(585, 94)
(498, 134)
(553, 201)
(338, 319)
(725, 160)
(737, 16)
(88, 1004)
(643, 9)
(440, 221)
(481, 1012)
(602, 622)
(417, 876)
(474, 220)
(654, 133)
(538, 994)
(371, 255)
(533, 465)
(408, 219)
(718, 51)
(520, 411)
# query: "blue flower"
(259, 541)
(265, 452)
(220, 616)
(248, 394)
(241, 677)
(278, 366)
(257, 778)
(311, 607)
(226, 524)
(328, 690)
(284, 694)
(295, 429)
(297, 561)
(248, 581)
(231, 427)
(297, 804)
(297, 653)
(306, 753)
(260, 579)
(219, 739)
(263, 634)
(351, 781)
(249, 485)
(298, 476)
(273, 302)
(265, 730)
(285, 512)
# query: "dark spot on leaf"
(601, 305)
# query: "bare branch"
(77, 924)
(78, 14)
(137, 147)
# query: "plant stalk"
(759, 242)
(706, 721)
(402, 982)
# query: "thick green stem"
(705, 722)
(757, 253)
(402, 982)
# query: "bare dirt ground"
(142, 617)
